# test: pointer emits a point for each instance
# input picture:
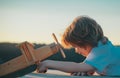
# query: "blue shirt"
(105, 58)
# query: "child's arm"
(69, 67)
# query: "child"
(86, 36)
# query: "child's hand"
(41, 67)
(79, 74)
(82, 73)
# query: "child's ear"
(85, 47)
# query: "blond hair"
(83, 31)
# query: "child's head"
(81, 32)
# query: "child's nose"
(76, 49)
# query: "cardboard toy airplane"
(29, 57)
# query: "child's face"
(83, 50)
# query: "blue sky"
(36, 20)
